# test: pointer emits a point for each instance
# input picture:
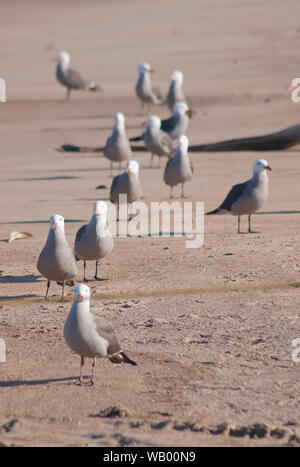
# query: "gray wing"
(75, 80)
(106, 331)
(234, 194)
(80, 233)
(192, 167)
(169, 124)
(114, 185)
(165, 140)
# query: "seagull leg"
(171, 193)
(96, 273)
(158, 165)
(239, 220)
(151, 160)
(81, 369)
(111, 169)
(249, 224)
(93, 367)
(84, 266)
(68, 93)
(63, 292)
(120, 163)
(48, 285)
(182, 190)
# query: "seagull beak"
(190, 112)
(55, 59)
(268, 168)
(128, 169)
(143, 124)
(152, 70)
(54, 225)
(79, 298)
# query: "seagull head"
(81, 293)
(132, 167)
(144, 68)
(260, 165)
(119, 119)
(100, 208)
(63, 58)
(57, 222)
(177, 76)
(154, 122)
(183, 108)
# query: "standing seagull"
(71, 79)
(94, 241)
(117, 147)
(144, 90)
(91, 336)
(247, 197)
(157, 141)
(175, 125)
(179, 168)
(127, 184)
(56, 261)
(175, 93)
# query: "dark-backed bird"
(71, 79)
(144, 90)
(89, 335)
(157, 141)
(179, 168)
(94, 241)
(117, 147)
(57, 261)
(248, 197)
(175, 125)
(126, 187)
(175, 92)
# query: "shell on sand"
(17, 235)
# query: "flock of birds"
(86, 334)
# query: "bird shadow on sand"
(7, 298)
(38, 382)
(276, 212)
(27, 278)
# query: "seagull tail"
(136, 138)
(95, 87)
(215, 211)
(120, 357)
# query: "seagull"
(175, 92)
(175, 125)
(94, 241)
(128, 184)
(56, 261)
(71, 79)
(157, 141)
(117, 147)
(91, 336)
(144, 90)
(248, 197)
(179, 168)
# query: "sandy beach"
(211, 328)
